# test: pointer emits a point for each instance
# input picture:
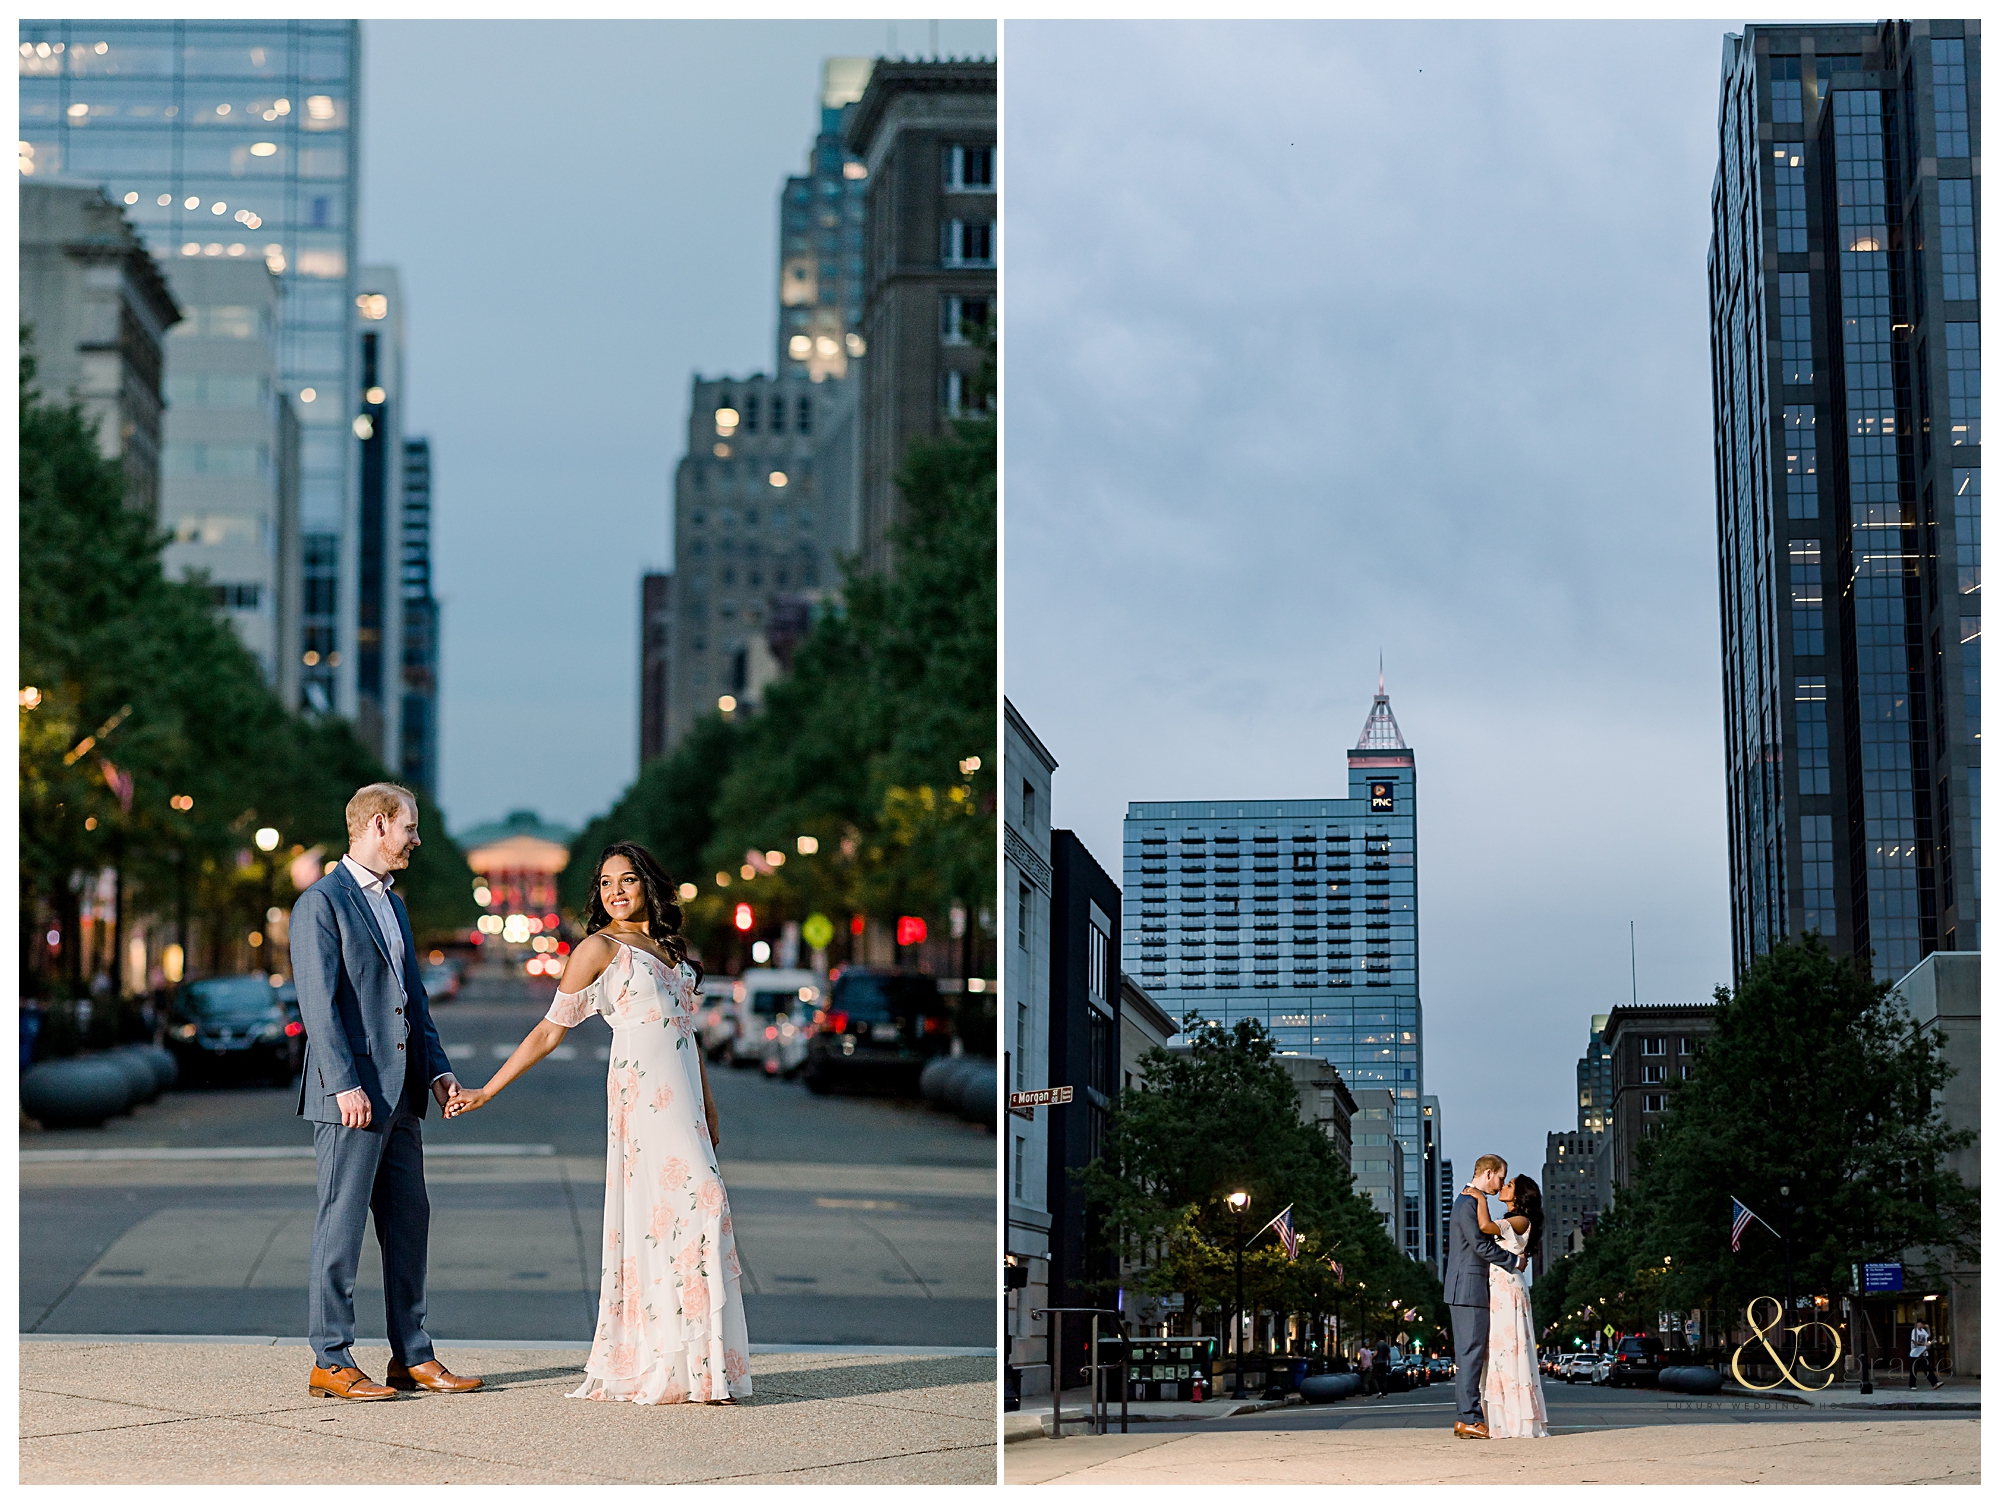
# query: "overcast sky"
(585, 215)
(1330, 339)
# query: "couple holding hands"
(670, 1324)
(1492, 1319)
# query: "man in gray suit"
(372, 1054)
(1465, 1289)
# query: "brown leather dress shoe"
(433, 1376)
(1476, 1432)
(346, 1384)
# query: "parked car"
(761, 999)
(1599, 1369)
(1636, 1360)
(715, 1016)
(235, 1028)
(876, 1024)
(441, 979)
(1573, 1366)
(785, 1041)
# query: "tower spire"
(1380, 730)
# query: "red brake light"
(770, 1031)
(837, 1022)
(294, 1029)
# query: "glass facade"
(230, 139)
(420, 623)
(822, 216)
(1302, 915)
(1850, 699)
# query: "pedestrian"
(1382, 1361)
(1920, 1353)
(1364, 1362)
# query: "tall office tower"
(1252, 909)
(231, 461)
(656, 657)
(1843, 297)
(1593, 1081)
(234, 140)
(97, 312)
(753, 550)
(378, 615)
(1433, 1187)
(422, 626)
(822, 214)
(927, 133)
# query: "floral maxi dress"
(670, 1322)
(1511, 1392)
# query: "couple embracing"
(1492, 1319)
(670, 1322)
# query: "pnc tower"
(1844, 327)
(1301, 914)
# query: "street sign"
(1877, 1279)
(1047, 1096)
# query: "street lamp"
(267, 839)
(1785, 1214)
(1239, 1203)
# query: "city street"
(1597, 1435)
(859, 1220)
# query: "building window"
(1795, 333)
(1816, 865)
(1026, 910)
(1809, 715)
(1652, 1073)
(1956, 239)
(1801, 459)
(777, 414)
(1808, 613)
(236, 597)
(1961, 369)
(968, 242)
(1787, 100)
(1652, 1047)
(968, 169)
(1099, 980)
(1788, 174)
(1687, 1046)
(961, 320)
(805, 414)
(1965, 501)
(1027, 806)
(1954, 125)
(1656, 1101)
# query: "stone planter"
(79, 1093)
(1324, 1388)
(1691, 1380)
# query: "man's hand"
(444, 1089)
(354, 1109)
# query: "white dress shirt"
(375, 889)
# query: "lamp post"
(1785, 1237)
(1239, 1203)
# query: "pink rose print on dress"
(694, 1298)
(652, 1016)
(727, 1228)
(734, 1365)
(674, 1174)
(658, 1226)
(625, 1360)
(675, 1393)
(663, 1099)
(689, 1256)
(710, 1197)
(735, 1269)
(626, 1310)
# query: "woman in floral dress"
(670, 1322)
(1511, 1392)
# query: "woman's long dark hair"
(663, 915)
(1528, 1202)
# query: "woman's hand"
(467, 1101)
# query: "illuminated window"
(1961, 365)
(1808, 613)
(1801, 458)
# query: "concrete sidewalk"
(1945, 1450)
(1952, 1395)
(166, 1412)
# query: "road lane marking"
(272, 1151)
(504, 1344)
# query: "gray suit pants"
(1468, 1339)
(379, 1168)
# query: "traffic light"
(746, 920)
(911, 930)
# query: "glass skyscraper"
(822, 216)
(1301, 914)
(1844, 308)
(236, 140)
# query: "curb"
(831, 1349)
(1802, 1402)
(1036, 1427)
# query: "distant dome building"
(518, 859)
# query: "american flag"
(1741, 1218)
(1287, 1234)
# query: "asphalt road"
(859, 1220)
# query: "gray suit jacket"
(357, 1033)
(1470, 1252)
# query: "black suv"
(877, 1025)
(237, 1027)
(1637, 1360)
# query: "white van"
(767, 1000)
